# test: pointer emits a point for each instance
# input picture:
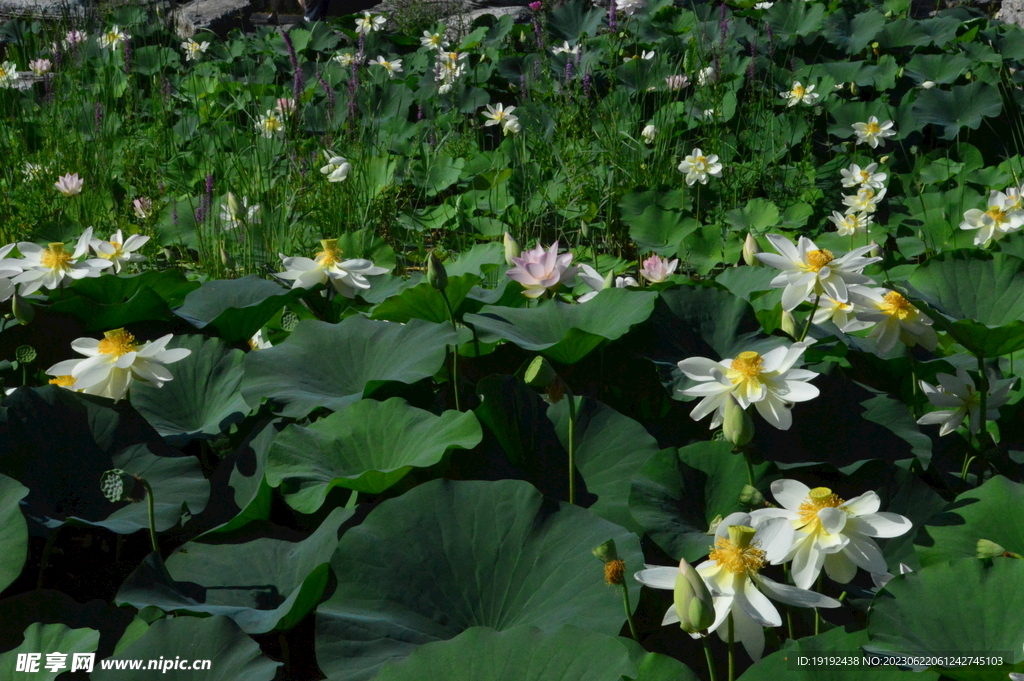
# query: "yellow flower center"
(896, 305)
(997, 214)
(864, 176)
(817, 499)
(700, 162)
(63, 381)
(748, 365)
(737, 554)
(331, 255)
(3, 73)
(798, 91)
(55, 258)
(872, 128)
(273, 123)
(818, 259)
(117, 342)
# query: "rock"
(219, 16)
(44, 9)
(1012, 12)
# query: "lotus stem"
(707, 656)
(152, 516)
(810, 318)
(817, 611)
(629, 612)
(732, 649)
(572, 444)
(455, 348)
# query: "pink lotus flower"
(69, 184)
(657, 269)
(535, 6)
(285, 106)
(539, 270)
(677, 82)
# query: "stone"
(218, 16)
(40, 9)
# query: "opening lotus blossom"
(48, 267)
(540, 271)
(808, 270)
(1002, 216)
(697, 167)
(346, 276)
(960, 400)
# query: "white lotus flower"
(194, 50)
(851, 223)
(649, 133)
(8, 268)
(39, 67)
(112, 39)
(8, 74)
(843, 315)
(370, 22)
(830, 532)
(47, 267)
(1002, 216)
(961, 400)
(114, 363)
(271, 124)
(499, 115)
(763, 5)
(623, 282)
(697, 167)
(433, 41)
(257, 342)
(881, 580)
(706, 75)
(392, 67)
(344, 58)
(597, 283)
(800, 94)
(808, 270)
(855, 176)
(118, 250)
(873, 133)
(346, 276)
(732, 575)
(864, 201)
(565, 48)
(894, 318)
(771, 383)
(630, 7)
(337, 168)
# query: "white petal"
(882, 524)
(658, 577)
(757, 606)
(791, 595)
(790, 493)
(866, 503)
(833, 520)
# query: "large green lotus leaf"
(992, 512)
(565, 333)
(262, 584)
(252, 495)
(367, 446)
(917, 32)
(610, 450)
(573, 19)
(13, 531)
(984, 599)
(791, 19)
(757, 216)
(984, 294)
(204, 398)
(329, 365)
(232, 654)
(660, 229)
(447, 556)
(699, 321)
(833, 644)
(58, 443)
(45, 639)
(479, 259)
(853, 33)
(112, 302)
(527, 653)
(960, 106)
(676, 495)
(235, 309)
(423, 301)
(938, 68)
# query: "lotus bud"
(23, 310)
(788, 324)
(693, 602)
(876, 250)
(512, 249)
(25, 354)
(233, 205)
(609, 280)
(750, 496)
(737, 426)
(436, 273)
(118, 485)
(990, 549)
(750, 249)
(226, 259)
(540, 373)
(713, 527)
(883, 160)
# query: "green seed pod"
(289, 320)
(606, 552)
(25, 354)
(118, 485)
(540, 374)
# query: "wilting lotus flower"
(346, 276)
(657, 269)
(143, 207)
(962, 400)
(830, 532)
(539, 270)
(70, 184)
(112, 364)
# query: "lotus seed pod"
(741, 535)
(737, 426)
(512, 249)
(606, 552)
(750, 249)
(693, 601)
(436, 273)
(118, 485)
(289, 320)
(540, 373)
(25, 354)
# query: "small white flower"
(830, 532)
(270, 124)
(894, 317)
(257, 342)
(143, 207)
(194, 50)
(839, 86)
(113, 38)
(697, 167)
(111, 365)
(647, 56)
(961, 400)
(369, 23)
(800, 94)
(337, 168)
(706, 75)
(623, 282)
(864, 201)
(763, 5)
(392, 67)
(1002, 216)
(48, 267)
(502, 115)
(75, 38)
(928, 85)
(855, 176)
(873, 133)
(118, 250)
(771, 383)
(851, 223)
(32, 170)
(433, 41)
(649, 133)
(630, 7)
(346, 276)
(344, 58)
(566, 48)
